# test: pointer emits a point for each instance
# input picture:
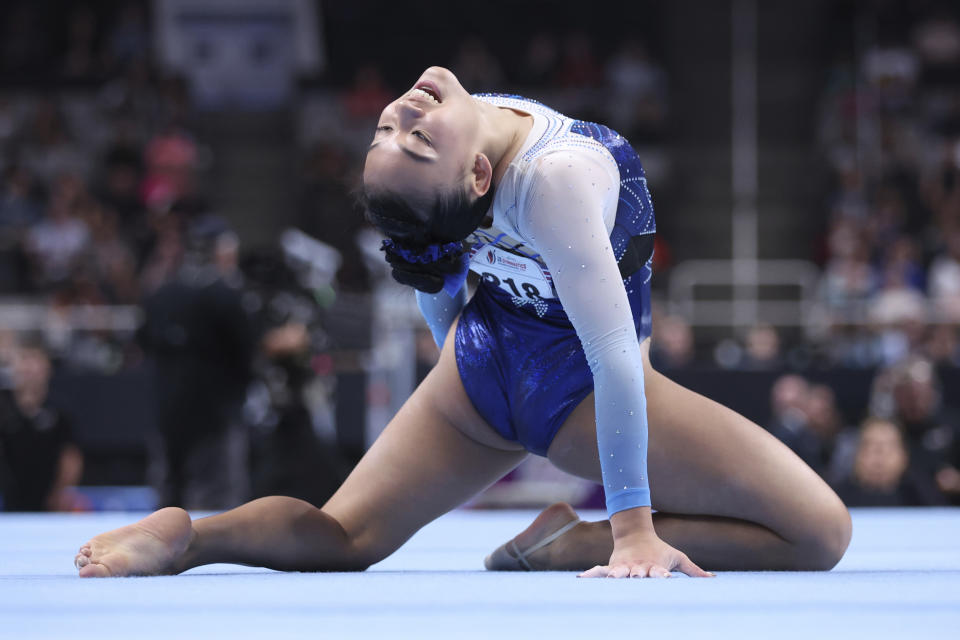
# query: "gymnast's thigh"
(705, 459)
(434, 455)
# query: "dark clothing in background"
(30, 449)
(914, 490)
(201, 341)
(804, 442)
(931, 442)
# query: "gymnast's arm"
(562, 217)
(440, 310)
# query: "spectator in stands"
(886, 227)
(20, 207)
(789, 421)
(931, 429)
(762, 348)
(119, 188)
(849, 201)
(110, 259)
(944, 278)
(882, 476)
(942, 346)
(171, 159)
(909, 393)
(47, 149)
(672, 345)
(901, 266)
(806, 419)
(19, 204)
(847, 277)
(56, 243)
(899, 316)
(834, 444)
(39, 462)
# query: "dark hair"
(451, 218)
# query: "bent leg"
(420, 467)
(727, 493)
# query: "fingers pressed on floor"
(598, 571)
(621, 571)
(657, 571)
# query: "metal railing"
(745, 300)
(19, 315)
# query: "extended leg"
(419, 468)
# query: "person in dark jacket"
(39, 461)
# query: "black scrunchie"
(429, 277)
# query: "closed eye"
(422, 136)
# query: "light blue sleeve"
(440, 310)
(563, 217)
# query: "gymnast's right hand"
(638, 552)
(645, 556)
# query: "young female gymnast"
(549, 356)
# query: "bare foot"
(146, 548)
(528, 552)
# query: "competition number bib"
(519, 276)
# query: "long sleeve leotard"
(556, 203)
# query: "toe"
(94, 570)
(502, 560)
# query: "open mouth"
(429, 91)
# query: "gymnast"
(549, 356)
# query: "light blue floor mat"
(900, 579)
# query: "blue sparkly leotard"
(564, 299)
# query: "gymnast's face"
(427, 141)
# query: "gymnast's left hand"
(642, 554)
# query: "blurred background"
(193, 312)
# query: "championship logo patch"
(519, 276)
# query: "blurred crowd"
(104, 208)
(889, 131)
(99, 170)
(904, 452)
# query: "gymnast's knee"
(361, 555)
(825, 546)
(326, 545)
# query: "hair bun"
(420, 252)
